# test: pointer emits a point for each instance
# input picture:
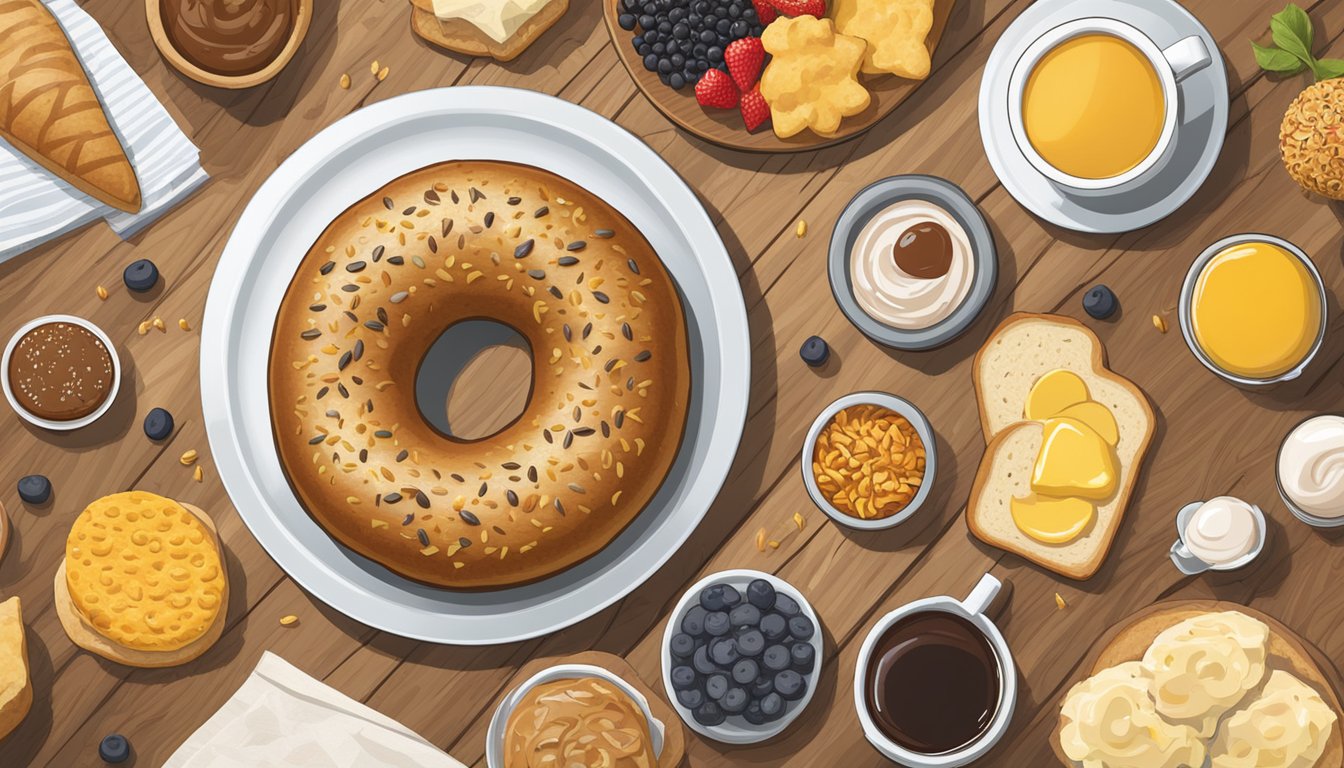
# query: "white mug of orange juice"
(1093, 103)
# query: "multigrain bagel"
(472, 240)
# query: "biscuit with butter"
(1203, 666)
(500, 29)
(1109, 720)
(1288, 724)
(143, 582)
(812, 80)
(895, 31)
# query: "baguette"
(50, 112)
(1021, 350)
(461, 36)
(16, 687)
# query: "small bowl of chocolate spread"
(229, 43)
(61, 372)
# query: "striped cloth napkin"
(36, 206)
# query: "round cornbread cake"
(479, 240)
(143, 580)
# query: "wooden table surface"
(1212, 438)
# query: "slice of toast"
(16, 688)
(1288, 652)
(1022, 349)
(462, 36)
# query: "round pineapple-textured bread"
(1311, 139)
(472, 240)
(144, 572)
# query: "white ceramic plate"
(1201, 126)
(736, 730)
(494, 738)
(347, 162)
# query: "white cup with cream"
(1310, 471)
(1221, 534)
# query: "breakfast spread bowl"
(951, 612)
(1191, 295)
(1314, 458)
(912, 262)
(903, 408)
(215, 51)
(60, 425)
(735, 728)
(498, 730)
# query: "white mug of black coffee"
(935, 685)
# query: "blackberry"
(680, 40)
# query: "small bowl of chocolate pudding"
(61, 372)
(229, 43)
(935, 685)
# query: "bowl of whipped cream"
(912, 262)
(1310, 471)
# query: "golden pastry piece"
(16, 687)
(812, 79)
(49, 111)
(1203, 666)
(1109, 720)
(143, 582)
(1287, 725)
(895, 31)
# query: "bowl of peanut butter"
(575, 714)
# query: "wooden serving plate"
(1128, 640)
(302, 19)
(674, 737)
(724, 126)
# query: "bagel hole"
(475, 380)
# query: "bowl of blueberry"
(741, 656)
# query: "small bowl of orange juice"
(1253, 309)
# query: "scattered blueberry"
(761, 594)
(772, 706)
(35, 489)
(750, 642)
(753, 713)
(723, 652)
(158, 424)
(114, 749)
(1100, 302)
(815, 351)
(702, 663)
(711, 598)
(141, 275)
(764, 686)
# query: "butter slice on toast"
(1022, 349)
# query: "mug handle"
(1185, 561)
(983, 594)
(1187, 56)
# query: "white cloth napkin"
(36, 206)
(282, 718)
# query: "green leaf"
(1292, 32)
(1328, 69)
(1277, 60)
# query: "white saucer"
(1201, 124)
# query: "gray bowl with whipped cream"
(912, 262)
(1310, 471)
